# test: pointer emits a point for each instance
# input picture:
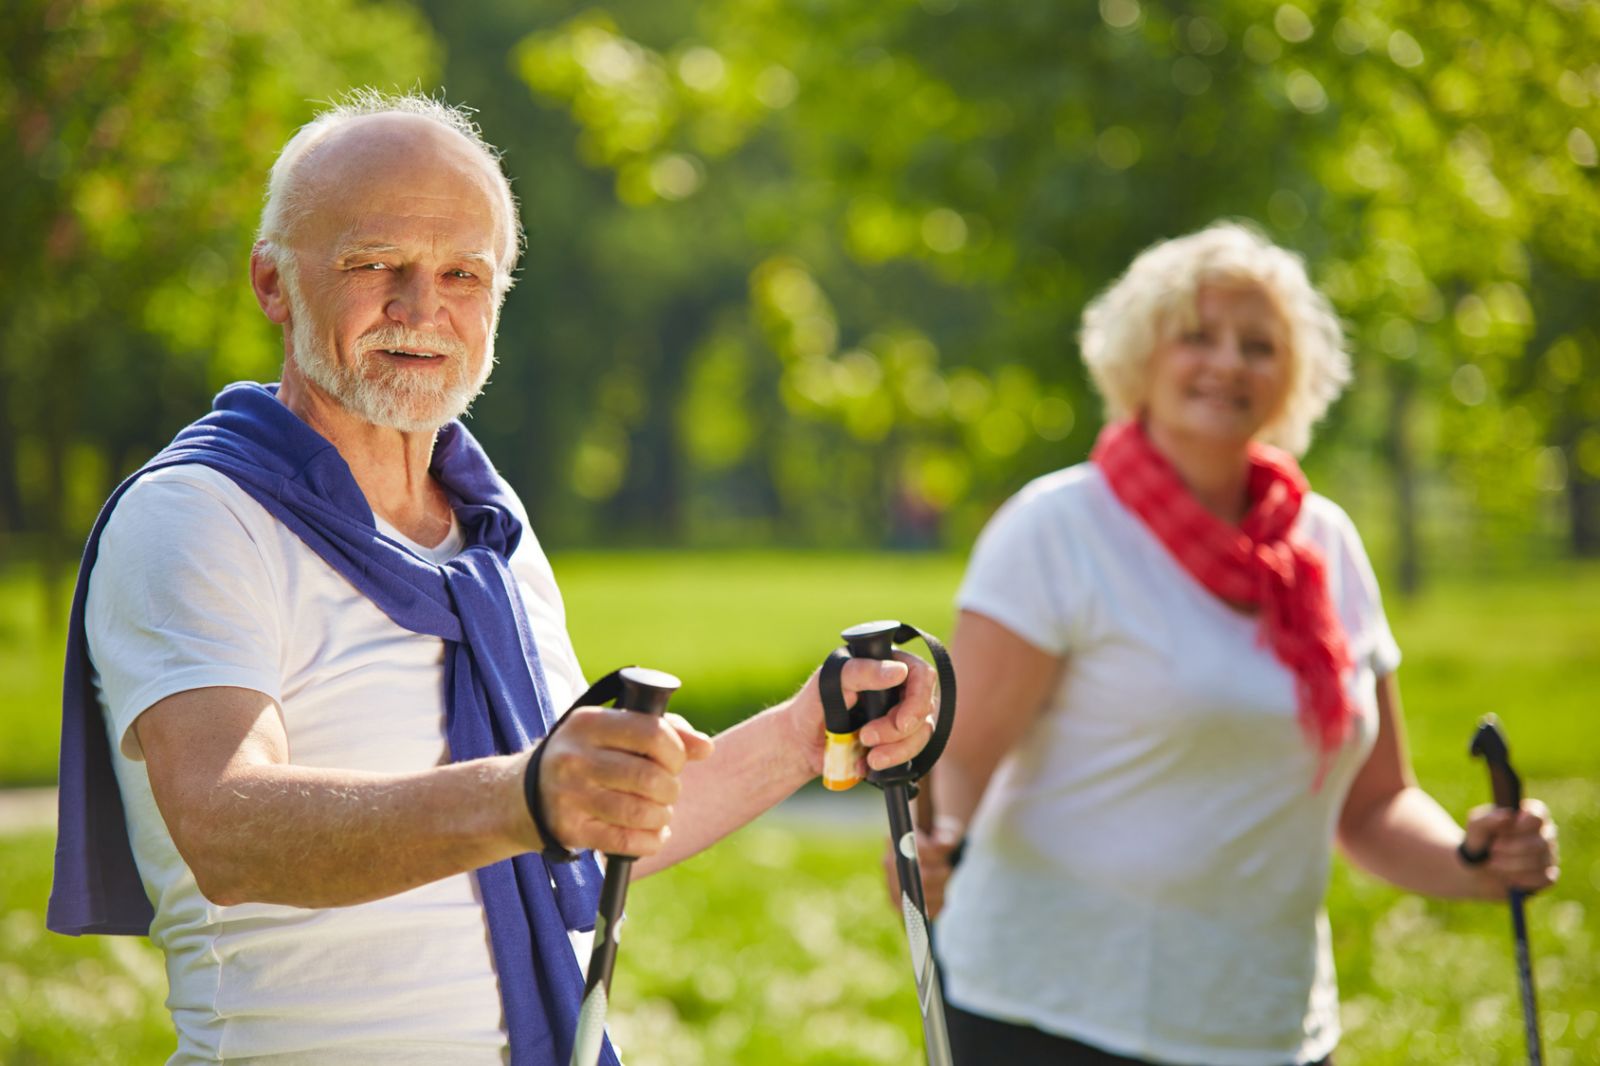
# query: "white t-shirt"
(1146, 870)
(196, 585)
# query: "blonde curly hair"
(1157, 295)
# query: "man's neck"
(1217, 474)
(390, 466)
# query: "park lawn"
(31, 655)
(779, 948)
(743, 629)
(776, 948)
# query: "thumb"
(1484, 824)
(696, 745)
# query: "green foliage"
(136, 139)
(931, 191)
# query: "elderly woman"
(1178, 691)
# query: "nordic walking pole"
(1490, 745)
(876, 640)
(646, 692)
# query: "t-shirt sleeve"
(547, 616)
(180, 598)
(1363, 602)
(1022, 574)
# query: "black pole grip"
(1489, 744)
(876, 640)
(873, 640)
(642, 691)
(646, 691)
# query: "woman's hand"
(934, 853)
(1520, 845)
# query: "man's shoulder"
(186, 511)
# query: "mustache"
(411, 340)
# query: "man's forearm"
(756, 765)
(309, 837)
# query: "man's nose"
(417, 302)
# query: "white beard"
(384, 395)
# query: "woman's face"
(1223, 379)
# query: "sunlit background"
(802, 285)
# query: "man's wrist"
(549, 846)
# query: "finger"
(623, 810)
(615, 771)
(921, 696)
(696, 745)
(864, 675)
(1526, 821)
(1537, 807)
(569, 770)
(637, 843)
(635, 734)
(919, 701)
(899, 751)
(1484, 824)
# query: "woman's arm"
(1004, 682)
(1391, 828)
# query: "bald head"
(372, 141)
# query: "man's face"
(394, 301)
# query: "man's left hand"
(895, 738)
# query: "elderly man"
(315, 648)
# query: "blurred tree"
(931, 190)
(136, 139)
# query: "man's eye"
(373, 266)
(463, 274)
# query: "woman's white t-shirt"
(1147, 868)
(197, 585)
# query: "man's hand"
(895, 738)
(610, 778)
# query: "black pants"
(976, 1040)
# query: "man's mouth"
(408, 353)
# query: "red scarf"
(1257, 563)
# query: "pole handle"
(876, 640)
(641, 691)
(1489, 744)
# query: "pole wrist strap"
(842, 724)
(603, 691)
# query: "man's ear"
(267, 282)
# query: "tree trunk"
(1402, 466)
(1583, 509)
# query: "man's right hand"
(610, 778)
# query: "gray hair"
(1124, 324)
(285, 204)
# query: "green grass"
(743, 630)
(31, 654)
(777, 947)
